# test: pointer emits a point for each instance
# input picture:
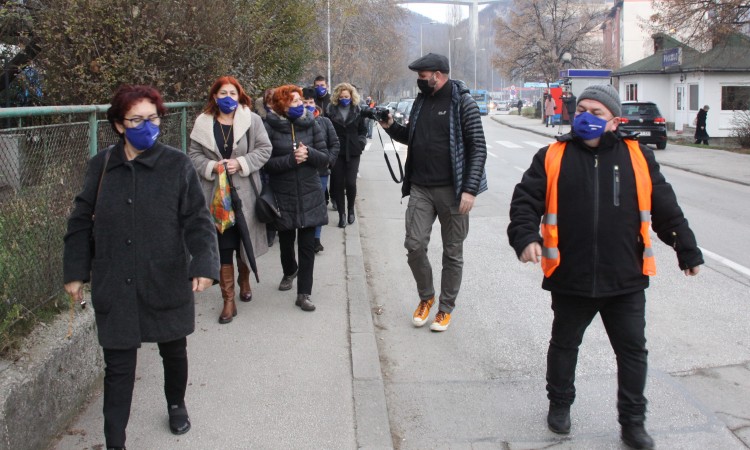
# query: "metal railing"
(43, 156)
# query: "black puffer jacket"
(468, 147)
(332, 143)
(297, 186)
(601, 249)
(352, 132)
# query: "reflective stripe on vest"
(552, 162)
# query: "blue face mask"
(588, 126)
(295, 112)
(345, 101)
(142, 137)
(227, 104)
(320, 90)
(310, 108)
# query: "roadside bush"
(741, 128)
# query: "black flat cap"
(432, 62)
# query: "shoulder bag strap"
(101, 178)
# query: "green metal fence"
(43, 157)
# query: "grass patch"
(17, 325)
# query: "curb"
(373, 430)
(41, 392)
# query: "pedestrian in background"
(322, 96)
(155, 246)
(299, 151)
(519, 105)
(444, 173)
(228, 134)
(332, 145)
(263, 111)
(600, 194)
(345, 114)
(549, 110)
(701, 135)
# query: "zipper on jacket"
(616, 179)
(596, 224)
(674, 241)
(300, 208)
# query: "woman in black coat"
(344, 112)
(155, 246)
(701, 135)
(299, 151)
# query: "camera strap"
(388, 161)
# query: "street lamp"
(450, 65)
(420, 35)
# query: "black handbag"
(266, 208)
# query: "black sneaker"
(635, 436)
(287, 281)
(318, 246)
(558, 418)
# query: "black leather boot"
(635, 436)
(342, 221)
(303, 301)
(558, 418)
(351, 217)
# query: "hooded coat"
(297, 186)
(251, 149)
(153, 234)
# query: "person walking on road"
(701, 135)
(444, 173)
(155, 246)
(351, 129)
(519, 105)
(600, 194)
(332, 145)
(299, 151)
(228, 133)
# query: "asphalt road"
(481, 384)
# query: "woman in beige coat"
(228, 133)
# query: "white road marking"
(727, 262)
(534, 144)
(492, 154)
(488, 145)
(508, 144)
(519, 169)
(367, 147)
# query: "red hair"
(242, 97)
(282, 98)
(128, 95)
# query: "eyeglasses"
(137, 120)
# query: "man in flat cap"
(600, 194)
(443, 175)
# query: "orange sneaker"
(441, 322)
(422, 312)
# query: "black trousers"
(624, 319)
(119, 379)
(344, 176)
(306, 248)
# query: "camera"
(378, 113)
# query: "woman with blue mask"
(345, 114)
(299, 151)
(155, 247)
(227, 135)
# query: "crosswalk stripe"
(508, 144)
(534, 144)
(488, 145)
(519, 169)
(492, 154)
(367, 147)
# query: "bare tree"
(700, 23)
(536, 33)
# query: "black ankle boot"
(179, 422)
(558, 418)
(351, 216)
(342, 221)
(635, 436)
(304, 302)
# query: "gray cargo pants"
(426, 204)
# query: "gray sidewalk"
(711, 162)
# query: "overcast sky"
(436, 11)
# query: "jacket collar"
(147, 158)
(203, 131)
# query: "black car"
(403, 109)
(643, 120)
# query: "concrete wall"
(41, 390)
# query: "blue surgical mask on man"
(345, 101)
(295, 112)
(310, 108)
(588, 126)
(227, 104)
(144, 136)
(321, 90)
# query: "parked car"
(403, 109)
(503, 106)
(643, 120)
(391, 106)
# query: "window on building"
(694, 100)
(735, 97)
(631, 91)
